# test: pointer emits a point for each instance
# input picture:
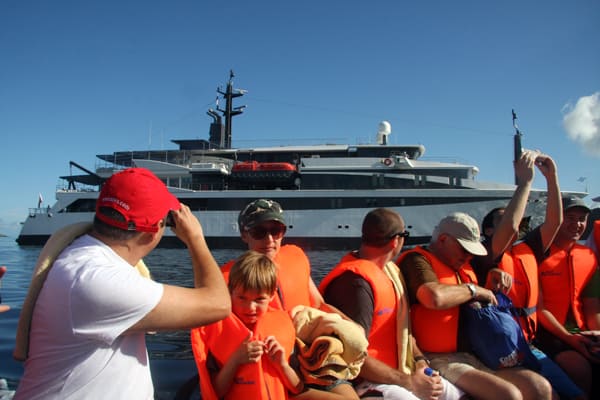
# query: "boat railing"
(40, 211)
(64, 186)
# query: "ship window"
(81, 205)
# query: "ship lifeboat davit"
(254, 174)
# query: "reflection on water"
(170, 353)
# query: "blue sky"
(80, 78)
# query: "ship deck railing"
(39, 211)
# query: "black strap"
(524, 311)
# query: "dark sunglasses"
(403, 234)
(260, 232)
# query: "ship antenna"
(229, 112)
(518, 148)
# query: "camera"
(170, 221)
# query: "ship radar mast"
(384, 130)
(518, 148)
(218, 135)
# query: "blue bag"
(494, 336)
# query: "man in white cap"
(439, 279)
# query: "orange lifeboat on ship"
(267, 175)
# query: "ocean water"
(170, 353)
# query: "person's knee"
(535, 386)
(510, 391)
(513, 392)
(543, 389)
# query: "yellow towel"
(403, 340)
(323, 351)
(321, 363)
(51, 250)
(329, 345)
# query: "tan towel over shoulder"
(403, 341)
(51, 250)
(330, 346)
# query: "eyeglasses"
(403, 234)
(260, 232)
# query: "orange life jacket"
(563, 276)
(383, 326)
(437, 330)
(293, 278)
(258, 380)
(520, 262)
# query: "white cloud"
(582, 122)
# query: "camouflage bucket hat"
(259, 211)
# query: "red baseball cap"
(139, 196)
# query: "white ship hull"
(316, 218)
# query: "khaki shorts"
(453, 365)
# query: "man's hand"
(498, 281)
(427, 387)
(187, 227)
(546, 165)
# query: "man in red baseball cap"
(139, 197)
(87, 337)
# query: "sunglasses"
(260, 232)
(403, 234)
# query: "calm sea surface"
(171, 356)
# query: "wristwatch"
(472, 288)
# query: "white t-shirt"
(77, 346)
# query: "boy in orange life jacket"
(439, 279)
(570, 299)
(246, 355)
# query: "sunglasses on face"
(260, 232)
(403, 234)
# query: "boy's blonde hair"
(253, 271)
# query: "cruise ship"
(325, 190)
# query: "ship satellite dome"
(383, 132)
(385, 128)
